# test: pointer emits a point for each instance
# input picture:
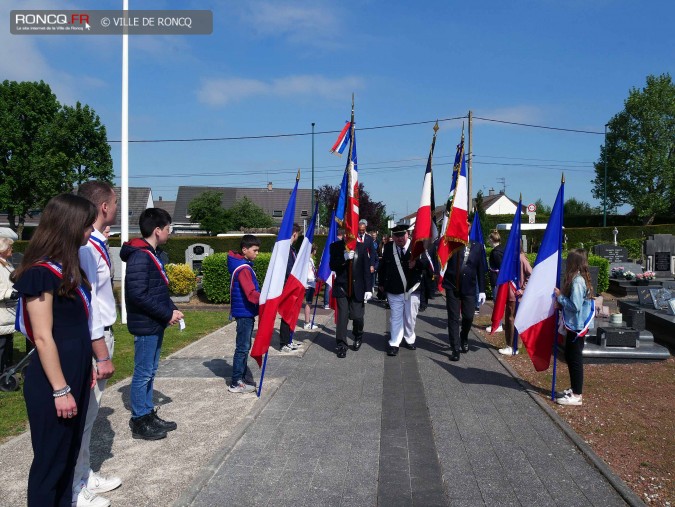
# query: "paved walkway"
(364, 430)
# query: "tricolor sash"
(158, 264)
(587, 322)
(22, 322)
(100, 246)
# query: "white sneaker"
(326, 307)
(507, 351)
(100, 484)
(488, 329)
(88, 499)
(569, 399)
(285, 349)
(295, 345)
(311, 327)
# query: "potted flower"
(629, 275)
(617, 272)
(182, 282)
(644, 278)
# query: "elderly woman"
(7, 304)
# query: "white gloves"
(367, 296)
(349, 255)
(481, 298)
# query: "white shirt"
(104, 312)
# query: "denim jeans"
(146, 362)
(243, 346)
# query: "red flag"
(424, 224)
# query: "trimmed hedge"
(216, 277)
(182, 280)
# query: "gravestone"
(627, 266)
(117, 262)
(660, 253)
(613, 253)
(195, 255)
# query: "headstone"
(117, 262)
(195, 255)
(660, 297)
(613, 253)
(627, 266)
(660, 253)
(645, 297)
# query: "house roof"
(489, 200)
(168, 206)
(140, 198)
(272, 200)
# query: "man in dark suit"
(365, 238)
(400, 276)
(465, 271)
(351, 289)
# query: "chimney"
(160, 197)
(269, 186)
(491, 191)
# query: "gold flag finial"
(436, 127)
(562, 180)
(297, 178)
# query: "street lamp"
(312, 208)
(604, 200)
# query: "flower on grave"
(629, 275)
(617, 272)
(647, 275)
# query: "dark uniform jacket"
(460, 275)
(388, 275)
(360, 270)
(371, 249)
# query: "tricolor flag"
(424, 223)
(347, 211)
(456, 234)
(324, 274)
(270, 294)
(536, 317)
(342, 140)
(293, 294)
(508, 279)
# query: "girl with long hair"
(54, 311)
(576, 302)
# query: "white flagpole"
(124, 214)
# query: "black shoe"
(454, 356)
(409, 346)
(357, 343)
(162, 424)
(342, 352)
(393, 351)
(465, 346)
(144, 428)
(422, 308)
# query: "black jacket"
(360, 270)
(388, 275)
(149, 306)
(372, 250)
(496, 257)
(466, 273)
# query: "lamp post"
(604, 200)
(312, 208)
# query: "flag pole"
(262, 375)
(347, 205)
(316, 303)
(557, 313)
(514, 349)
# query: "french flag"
(536, 316)
(324, 274)
(293, 294)
(457, 229)
(509, 272)
(342, 140)
(424, 225)
(270, 294)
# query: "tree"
(42, 145)
(639, 152)
(542, 208)
(206, 210)
(575, 207)
(373, 211)
(244, 214)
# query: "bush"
(182, 280)
(634, 247)
(216, 277)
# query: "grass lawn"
(198, 324)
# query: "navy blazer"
(371, 249)
(388, 275)
(360, 270)
(465, 273)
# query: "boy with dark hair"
(244, 299)
(149, 311)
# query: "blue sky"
(274, 67)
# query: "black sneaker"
(144, 427)
(162, 424)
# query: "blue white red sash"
(587, 322)
(158, 264)
(22, 322)
(101, 248)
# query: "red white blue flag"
(342, 140)
(536, 316)
(425, 229)
(273, 286)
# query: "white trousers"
(83, 466)
(403, 318)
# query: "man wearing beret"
(399, 276)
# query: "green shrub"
(182, 280)
(216, 277)
(634, 247)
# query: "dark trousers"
(574, 349)
(349, 308)
(509, 318)
(284, 334)
(6, 351)
(454, 304)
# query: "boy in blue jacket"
(244, 299)
(149, 311)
